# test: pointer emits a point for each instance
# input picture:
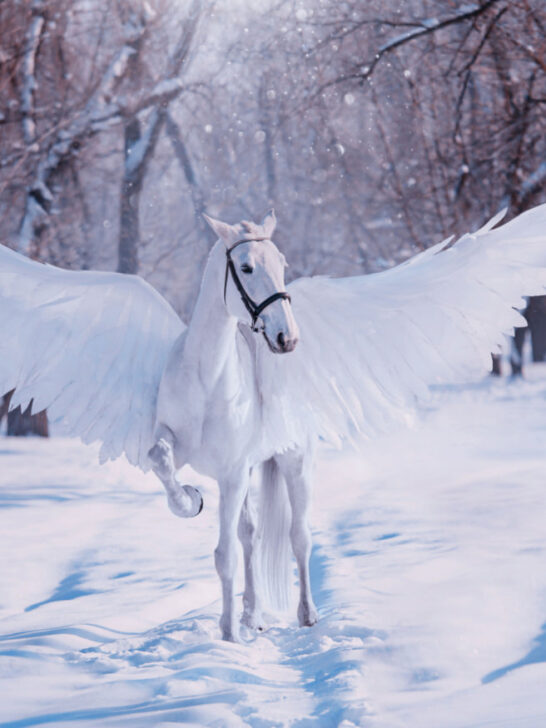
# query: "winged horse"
(261, 374)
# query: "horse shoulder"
(179, 399)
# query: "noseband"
(253, 308)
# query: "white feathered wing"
(88, 346)
(371, 346)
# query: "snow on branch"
(160, 97)
(140, 149)
(98, 109)
(184, 161)
(28, 70)
(533, 182)
(103, 109)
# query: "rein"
(253, 308)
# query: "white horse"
(219, 431)
(109, 357)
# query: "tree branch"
(181, 152)
(163, 93)
(98, 105)
(532, 184)
(468, 69)
(427, 26)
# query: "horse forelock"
(251, 228)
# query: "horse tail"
(274, 530)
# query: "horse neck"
(210, 340)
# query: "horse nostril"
(281, 340)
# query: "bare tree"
(140, 138)
(374, 128)
(68, 110)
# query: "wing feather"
(88, 346)
(372, 346)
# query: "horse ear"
(225, 232)
(269, 222)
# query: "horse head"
(254, 281)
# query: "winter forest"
(375, 129)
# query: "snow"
(402, 38)
(428, 572)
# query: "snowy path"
(429, 572)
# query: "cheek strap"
(253, 308)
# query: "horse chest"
(215, 427)
(215, 408)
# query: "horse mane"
(251, 228)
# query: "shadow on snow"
(68, 589)
(536, 654)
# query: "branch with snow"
(98, 108)
(183, 157)
(139, 152)
(28, 70)
(533, 183)
(103, 110)
(161, 96)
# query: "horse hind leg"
(297, 474)
(247, 532)
(183, 500)
(233, 491)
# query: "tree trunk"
(139, 147)
(20, 423)
(186, 165)
(129, 230)
(536, 316)
(4, 404)
(516, 354)
(496, 370)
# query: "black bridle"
(253, 308)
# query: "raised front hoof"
(185, 502)
(307, 616)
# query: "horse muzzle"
(282, 344)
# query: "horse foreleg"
(232, 495)
(184, 500)
(252, 612)
(297, 473)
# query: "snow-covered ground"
(429, 572)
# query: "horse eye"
(246, 268)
